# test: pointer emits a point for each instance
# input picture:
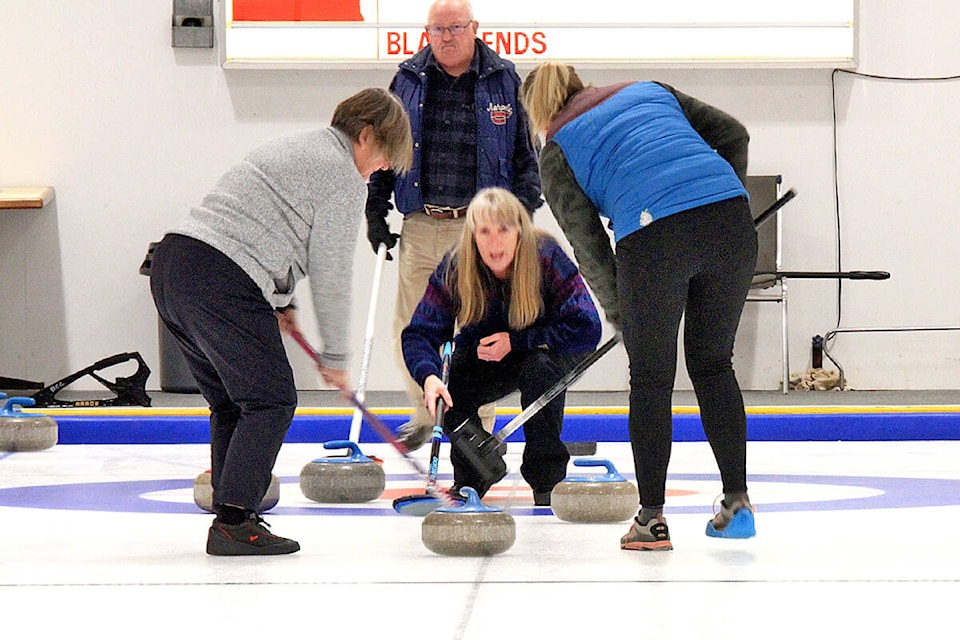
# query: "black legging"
(229, 335)
(696, 264)
(475, 382)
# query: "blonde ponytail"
(546, 90)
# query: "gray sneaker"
(653, 536)
(413, 436)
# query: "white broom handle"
(368, 342)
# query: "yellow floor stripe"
(342, 411)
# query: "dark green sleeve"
(580, 221)
(721, 131)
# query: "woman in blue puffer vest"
(667, 172)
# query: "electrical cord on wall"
(836, 170)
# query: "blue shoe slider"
(741, 526)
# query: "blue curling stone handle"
(354, 456)
(10, 409)
(472, 505)
(612, 474)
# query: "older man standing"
(470, 132)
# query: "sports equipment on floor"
(424, 503)
(485, 450)
(382, 430)
(606, 498)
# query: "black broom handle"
(776, 206)
(835, 275)
(572, 376)
(447, 356)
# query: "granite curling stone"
(351, 478)
(606, 498)
(471, 529)
(203, 493)
(25, 431)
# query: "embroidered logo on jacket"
(500, 113)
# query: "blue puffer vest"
(638, 159)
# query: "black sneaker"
(249, 538)
(413, 436)
(454, 494)
(481, 486)
(541, 498)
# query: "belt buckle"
(443, 212)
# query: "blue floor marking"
(128, 496)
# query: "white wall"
(131, 132)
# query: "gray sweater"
(291, 209)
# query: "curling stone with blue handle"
(470, 529)
(203, 493)
(606, 498)
(25, 431)
(352, 478)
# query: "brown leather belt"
(444, 213)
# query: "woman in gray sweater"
(223, 282)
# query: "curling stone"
(25, 431)
(203, 493)
(606, 498)
(471, 529)
(342, 479)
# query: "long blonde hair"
(546, 90)
(468, 274)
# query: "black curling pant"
(474, 383)
(696, 265)
(230, 338)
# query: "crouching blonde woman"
(522, 318)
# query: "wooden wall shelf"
(25, 197)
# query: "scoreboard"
(731, 33)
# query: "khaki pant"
(423, 243)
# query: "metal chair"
(769, 284)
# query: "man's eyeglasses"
(436, 31)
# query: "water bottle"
(817, 352)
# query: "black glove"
(378, 232)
